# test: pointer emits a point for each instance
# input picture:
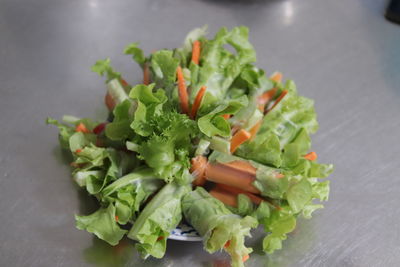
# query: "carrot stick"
(146, 74)
(236, 191)
(183, 95)
(284, 92)
(109, 101)
(198, 168)
(197, 102)
(226, 116)
(123, 82)
(224, 197)
(225, 174)
(245, 257)
(267, 96)
(243, 166)
(276, 76)
(311, 156)
(253, 131)
(81, 128)
(239, 138)
(196, 52)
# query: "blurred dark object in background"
(393, 11)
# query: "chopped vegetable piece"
(81, 128)
(196, 52)
(99, 128)
(146, 74)
(225, 174)
(311, 156)
(239, 138)
(225, 197)
(183, 95)
(284, 92)
(197, 102)
(199, 165)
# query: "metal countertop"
(342, 53)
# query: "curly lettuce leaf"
(103, 68)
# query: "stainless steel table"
(341, 53)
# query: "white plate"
(185, 232)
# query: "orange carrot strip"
(239, 138)
(81, 128)
(253, 131)
(242, 166)
(183, 95)
(110, 103)
(245, 257)
(311, 156)
(284, 92)
(146, 74)
(196, 52)
(224, 174)
(276, 76)
(116, 218)
(197, 102)
(226, 116)
(267, 96)
(123, 82)
(227, 244)
(198, 169)
(224, 197)
(236, 191)
(78, 151)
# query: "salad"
(207, 138)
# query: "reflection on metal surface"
(93, 3)
(288, 12)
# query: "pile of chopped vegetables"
(207, 138)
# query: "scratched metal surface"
(341, 53)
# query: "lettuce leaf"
(217, 224)
(102, 223)
(160, 216)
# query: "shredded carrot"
(227, 244)
(116, 218)
(160, 238)
(81, 128)
(225, 197)
(239, 138)
(284, 92)
(198, 169)
(226, 116)
(146, 74)
(110, 103)
(196, 52)
(245, 257)
(253, 131)
(183, 95)
(311, 156)
(197, 102)
(123, 82)
(78, 151)
(236, 191)
(279, 175)
(225, 174)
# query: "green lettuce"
(159, 217)
(217, 225)
(129, 192)
(102, 223)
